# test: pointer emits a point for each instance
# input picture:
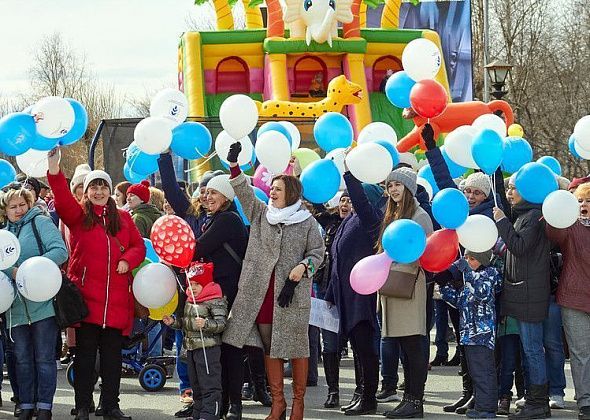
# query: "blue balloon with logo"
(517, 152)
(80, 124)
(391, 149)
(487, 149)
(241, 211)
(191, 140)
(535, 181)
(320, 180)
(7, 173)
(261, 195)
(572, 146)
(131, 176)
(450, 208)
(551, 163)
(150, 253)
(333, 131)
(17, 133)
(426, 173)
(455, 169)
(398, 87)
(141, 163)
(275, 126)
(404, 241)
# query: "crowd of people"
(245, 301)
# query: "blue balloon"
(150, 251)
(17, 133)
(487, 149)
(7, 173)
(450, 208)
(455, 169)
(332, 131)
(391, 149)
(517, 152)
(535, 181)
(191, 140)
(141, 163)
(44, 143)
(131, 176)
(572, 147)
(404, 241)
(552, 163)
(320, 180)
(398, 87)
(261, 195)
(275, 126)
(426, 173)
(80, 124)
(241, 211)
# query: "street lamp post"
(498, 72)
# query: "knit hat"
(562, 182)
(482, 257)
(97, 174)
(221, 184)
(199, 272)
(141, 190)
(79, 175)
(512, 179)
(406, 176)
(479, 181)
(207, 177)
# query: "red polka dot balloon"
(173, 240)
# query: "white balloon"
(9, 249)
(153, 135)
(238, 115)
(458, 146)
(223, 143)
(582, 152)
(170, 104)
(582, 132)
(478, 234)
(561, 209)
(421, 59)
(54, 116)
(38, 279)
(490, 122)
(273, 151)
(338, 155)
(6, 293)
(33, 163)
(377, 131)
(426, 185)
(369, 162)
(154, 285)
(294, 132)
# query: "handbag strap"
(232, 253)
(37, 236)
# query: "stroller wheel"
(70, 374)
(152, 378)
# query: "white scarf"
(289, 215)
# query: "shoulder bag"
(401, 281)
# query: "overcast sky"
(129, 43)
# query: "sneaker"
(387, 394)
(187, 396)
(556, 401)
(520, 403)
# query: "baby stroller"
(152, 371)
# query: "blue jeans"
(531, 337)
(330, 342)
(509, 346)
(181, 367)
(441, 320)
(390, 354)
(34, 348)
(10, 360)
(1, 356)
(554, 355)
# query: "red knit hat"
(201, 273)
(142, 191)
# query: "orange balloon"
(441, 250)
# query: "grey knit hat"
(479, 181)
(405, 176)
(482, 257)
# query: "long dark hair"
(91, 219)
(404, 210)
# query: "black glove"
(428, 137)
(443, 278)
(234, 152)
(286, 296)
(457, 283)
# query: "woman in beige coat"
(406, 318)
(274, 292)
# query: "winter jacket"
(330, 222)
(475, 302)
(355, 239)
(277, 248)
(526, 274)
(24, 311)
(227, 228)
(212, 306)
(424, 201)
(95, 257)
(573, 290)
(144, 217)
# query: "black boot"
(234, 412)
(467, 406)
(366, 405)
(247, 391)
(17, 409)
(358, 378)
(536, 405)
(82, 414)
(464, 399)
(439, 361)
(456, 360)
(467, 391)
(410, 408)
(74, 411)
(26, 414)
(115, 414)
(356, 397)
(187, 411)
(44, 415)
(332, 372)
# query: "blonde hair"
(157, 198)
(583, 191)
(7, 196)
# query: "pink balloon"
(369, 274)
(263, 177)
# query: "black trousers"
(362, 340)
(232, 368)
(416, 365)
(482, 366)
(204, 373)
(108, 341)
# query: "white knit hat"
(97, 174)
(479, 181)
(79, 175)
(221, 184)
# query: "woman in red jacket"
(105, 247)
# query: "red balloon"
(173, 240)
(428, 98)
(441, 251)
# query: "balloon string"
(493, 188)
(200, 329)
(211, 156)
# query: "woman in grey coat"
(273, 303)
